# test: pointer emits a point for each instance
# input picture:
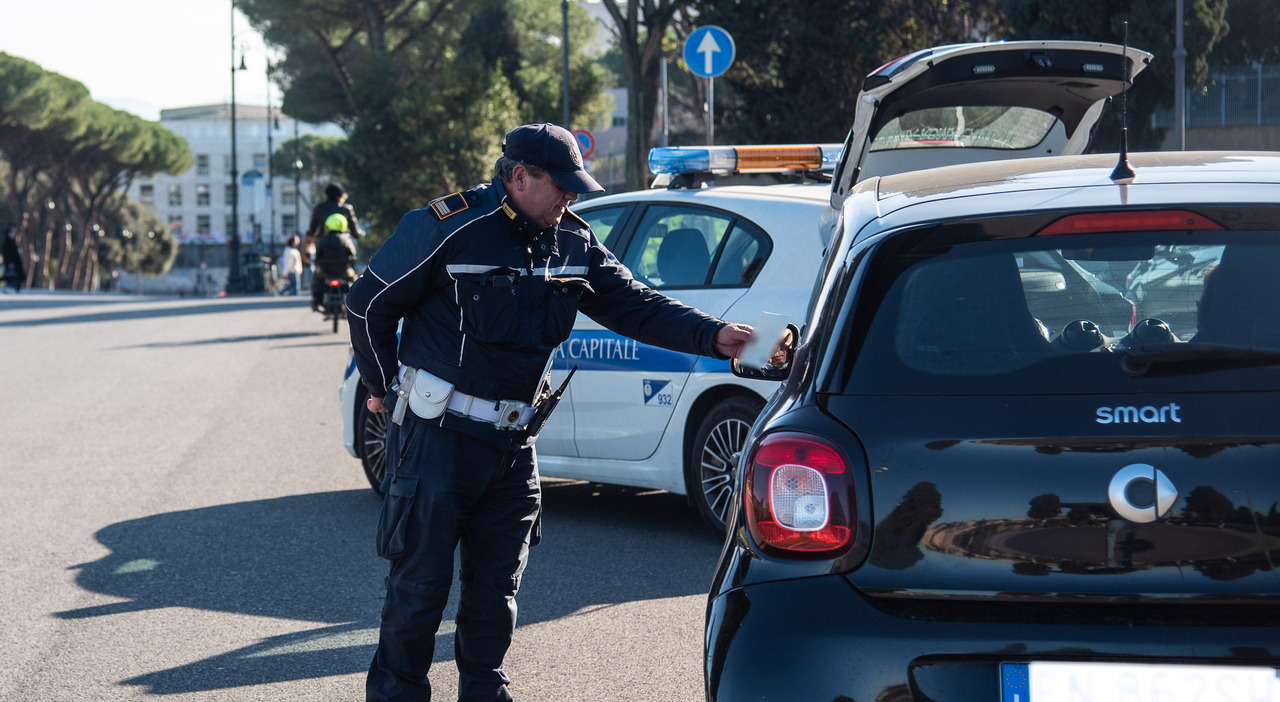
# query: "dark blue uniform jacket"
(486, 297)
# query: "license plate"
(1043, 681)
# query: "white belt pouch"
(428, 395)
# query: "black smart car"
(950, 499)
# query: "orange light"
(778, 158)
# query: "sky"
(142, 56)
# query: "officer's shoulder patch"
(449, 205)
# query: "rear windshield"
(987, 127)
(1035, 316)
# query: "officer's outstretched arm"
(626, 306)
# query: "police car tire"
(709, 467)
(371, 438)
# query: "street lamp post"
(564, 20)
(235, 282)
(1179, 81)
(272, 123)
(297, 180)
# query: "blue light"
(676, 159)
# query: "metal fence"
(1247, 96)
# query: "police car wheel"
(371, 437)
(717, 445)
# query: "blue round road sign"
(586, 142)
(708, 51)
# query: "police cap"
(553, 149)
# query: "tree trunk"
(640, 73)
(64, 260)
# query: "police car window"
(674, 247)
(988, 127)
(604, 222)
(741, 259)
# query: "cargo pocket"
(563, 295)
(489, 306)
(397, 509)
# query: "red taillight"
(798, 489)
(1161, 220)
(335, 283)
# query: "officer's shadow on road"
(310, 558)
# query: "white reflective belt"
(501, 413)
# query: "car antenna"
(1123, 170)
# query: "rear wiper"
(1194, 357)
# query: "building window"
(260, 161)
(226, 164)
(202, 194)
(147, 194)
(288, 195)
(229, 224)
(175, 224)
(202, 224)
(619, 120)
(231, 195)
(202, 164)
(175, 195)
(289, 224)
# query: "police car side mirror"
(779, 369)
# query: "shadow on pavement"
(182, 308)
(310, 558)
(236, 340)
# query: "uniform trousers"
(448, 491)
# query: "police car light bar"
(743, 159)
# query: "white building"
(196, 205)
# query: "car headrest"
(968, 316)
(1240, 303)
(683, 258)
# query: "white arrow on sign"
(707, 47)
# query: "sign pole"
(708, 52)
(711, 111)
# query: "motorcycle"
(334, 302)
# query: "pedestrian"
(15, 274)
(291, 265)
(488, 282)
(308, 253)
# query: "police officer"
(488, 282)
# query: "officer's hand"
(375, 405)
(731, 339)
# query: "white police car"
(639, 415)
(642, 416)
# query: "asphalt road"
(178, 518)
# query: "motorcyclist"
(335, 257)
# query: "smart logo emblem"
(1141, 494)
(1139, 415)
(659, 392)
